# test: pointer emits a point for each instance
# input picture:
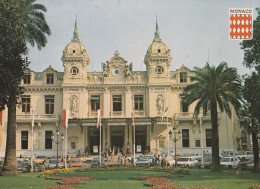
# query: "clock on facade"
(116, 71)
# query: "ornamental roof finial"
(75, 33)
(156, 33)
(116, 53)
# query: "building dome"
(75, 47)
(157, 48)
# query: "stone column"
(106, 103)
(128, 102)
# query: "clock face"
(116, 71)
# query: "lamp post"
(58, 141)
(33, 110)
(175, 134)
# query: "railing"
(139, 113)
(41, 117)
(184, 115)
(117, 114)
(93, 114)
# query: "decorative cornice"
(43, 89)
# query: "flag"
(133, 117)
(164, 113)
(1, 117)
(100, 112)
(65, 118)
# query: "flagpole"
(168, 138)
(33, 109)
(66, 133)
(134, 144)
(201, 139)
(100, 143)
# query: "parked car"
(151, 158)
(189, 162)
(229, 162)
(207, 161)
(75, 162)
(244, 154)
(96, 162)
(52, 163)
(142, 162)
(25, 166)
(86, 159)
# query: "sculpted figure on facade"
(105, 69)
(160, 101)
(75, 104)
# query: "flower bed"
(161, 182)
(179, 171)
(69, 182)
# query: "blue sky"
(194, 30)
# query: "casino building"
(117, 90)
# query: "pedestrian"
(112, 157)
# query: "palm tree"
(216, 87)
(33, 28)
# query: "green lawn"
(120, 179)
(223, 180)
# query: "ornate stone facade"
(117, 90)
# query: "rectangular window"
(49, 104)
(95, 103)
(24, 140)
(184, 107)
(139, 102)
(197, 143)
(26, 79)
(185, 138)
(26, 104)
(117, 103)
(48, 141)
(208, 138)
(50, 78)
(183, 77)
(73, 145)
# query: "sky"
(195, 31)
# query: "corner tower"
(157, 59)
(75, 60)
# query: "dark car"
(95, 162)
(25, 167)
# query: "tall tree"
(21, 22)
(251, 90)
(250, 116)
(214, 87)
(252, 47)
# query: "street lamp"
(177, 135)
(58, 141)
(33, 110)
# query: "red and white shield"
(241, 23)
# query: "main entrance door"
(93, 136)
(117, 134)
(140, 138)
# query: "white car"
(229, 162)
(189, 162)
